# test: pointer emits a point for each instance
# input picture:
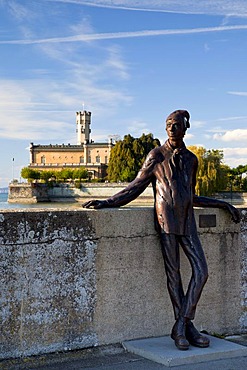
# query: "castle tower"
(83, 121)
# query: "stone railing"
(38, 192)
(75, 279)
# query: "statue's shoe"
(181, 342)
(195, 338)
(178, 335)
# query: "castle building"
(87, 154)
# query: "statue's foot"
(181, 342)
(178, 335)
(194, 337)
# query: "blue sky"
(130, 63)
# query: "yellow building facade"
(87, 154)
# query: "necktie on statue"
(177, 159)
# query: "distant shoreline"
(4, 190)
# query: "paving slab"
(162, 350)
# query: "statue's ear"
(186, 116)
(186, 123)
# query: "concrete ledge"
(163, 351)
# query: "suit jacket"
(172, 173)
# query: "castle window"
(81, 159)
(89, 159)
(97, 159)
(43, 159)
(106, 159)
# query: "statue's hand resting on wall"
(234, 213)
(96, 204)
(201, 201)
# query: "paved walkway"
(115, 357)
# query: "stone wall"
(75, 279)
(28, 193)
(38, 192)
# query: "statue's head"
(180, 115)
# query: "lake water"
(5, 205)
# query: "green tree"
(47, 175)
(128, 155)
(79, 174)
(243, 177)
(212, 175)
(64, 174)
(30, 174)
(244, 184)
(237, 178)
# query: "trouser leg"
(193, 249)
(170, 251)
(184, 305)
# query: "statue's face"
(175, 129)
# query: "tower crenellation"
(83, 122)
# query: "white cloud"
(116, 62)
(206, 48)
(235, 156)
(225, 20)
(189, 136)
(29, 109)
(120, 35)
(217, 7)
(238, 93)
(22, 118)
(238, 135)
(137, 128)
(217, 130)
(84, 26)
(19, 11)
(239, 152)
(234, 118)
(198, 124)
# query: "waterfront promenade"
(115, 357)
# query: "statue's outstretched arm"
(199, 201)
(131, 192)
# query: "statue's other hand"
(96, 204)
(234, 213)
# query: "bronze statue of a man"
(171, 168)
